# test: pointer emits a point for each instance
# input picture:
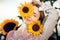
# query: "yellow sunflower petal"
(35, 27)
(7, 24)
(26, 10)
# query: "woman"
(22, 34)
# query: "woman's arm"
(50, 23)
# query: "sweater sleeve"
(10, 35)
(50, 23)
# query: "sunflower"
(35, 28)
(26, 9)
(0, 29)
(8, 25)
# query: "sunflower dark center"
(35, 27)
(9, 26)
(25, 9)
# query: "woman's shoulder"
(10, 34)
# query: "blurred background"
(8, 9)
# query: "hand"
(44, 7)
